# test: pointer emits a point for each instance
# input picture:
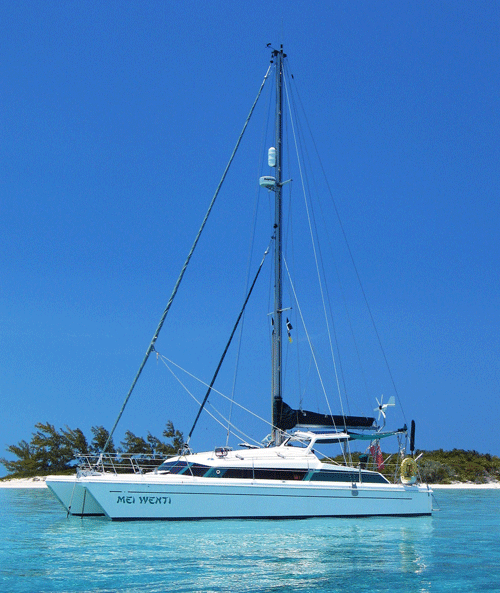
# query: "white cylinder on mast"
(271, 157)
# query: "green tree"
(52, 449)
(153, 445)
(48, 452)
(459, 465)
(76, 441)
(176, 441)
(100, 437)
(135, 444)
(26, 464)
(435, 472)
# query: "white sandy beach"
(467, 485)
(39, 482)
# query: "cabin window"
(347, 476)
(263, 473)
(173, 467)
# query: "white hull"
(74, 496)
(171, 498)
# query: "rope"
(181, 275)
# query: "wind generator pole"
(277, 382)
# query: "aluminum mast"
(277, 381)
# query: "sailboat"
(284, 477)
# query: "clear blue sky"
(117, 119)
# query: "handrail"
(119, 463)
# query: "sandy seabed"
(39, 482)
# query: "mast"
(277, 381)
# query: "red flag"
(380, 459)
(376, 453)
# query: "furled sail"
(287, 418)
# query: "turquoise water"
(458, 549)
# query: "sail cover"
(286, 418)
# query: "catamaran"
(283, 477)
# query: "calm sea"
(458, 549)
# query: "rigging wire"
(166, 360)
(250, 254)
(289, 246)
(228, 343)
(236, 431)
(225, 421)
(311, 346)
(337, 272)
(181, 275)
(313, 244)
(323, 217)
(351, 256)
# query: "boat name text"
(144, 500)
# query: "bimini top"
(329, 438)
